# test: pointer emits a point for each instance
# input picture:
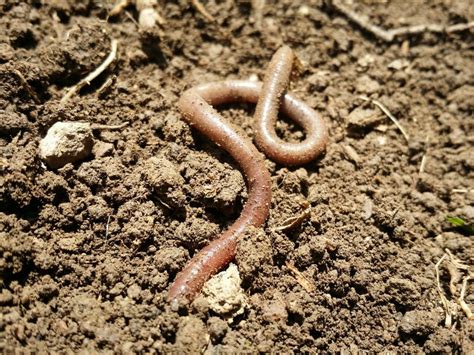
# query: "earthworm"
(196, 106)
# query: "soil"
(88, 251)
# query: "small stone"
(164, 178)
(366, 61)
(457, 136)
(147, 18)
(367, 209)
(102, 149)
(66, 142)
(341, 40)
(362, 118)
(398, 64)
(60, 327)
(366, 85)
(351, 154)
(69, 244)
(224, 294)
(303, 10)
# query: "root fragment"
(389, 115)
(461, 301)
(422, 164)
(119, 6)
(107, 227)
(390, 35)
(202, 10)
(300, 278)
(95, 126)
(462, 191)
(447, 309)
(27, 86)
(454, 265)
(105, 87)
(87, 80)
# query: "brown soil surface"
(88, 251)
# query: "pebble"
(66, 142)
(398, 64)
(224, 294)
(360, 117)
(102, 149)
(366, 85)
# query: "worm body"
(196, 106)
(275, 83)
(196, 109)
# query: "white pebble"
(66, 142)
(224, 294)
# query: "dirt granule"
(88, 251)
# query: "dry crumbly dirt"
(88, 251)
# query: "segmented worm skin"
(275, 83)
(196, 106)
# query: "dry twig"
(389, 115)
(106, 85)
(87, 80)
(389, 35)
